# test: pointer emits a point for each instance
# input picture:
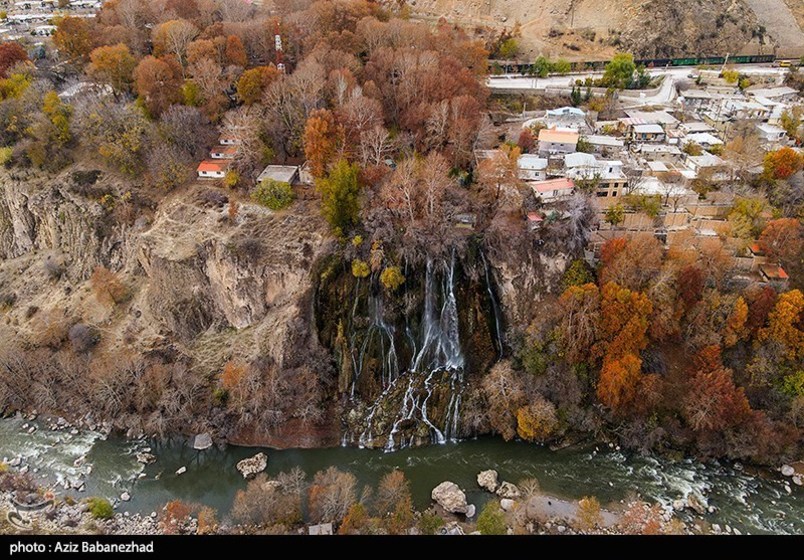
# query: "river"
(753, 504)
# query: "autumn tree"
(760, 300)
(158, 83)
(505, 395)
(340, 197)
(783, 240)
(331, 494)
(253, 82)
(322, 139)
(589, 515)
(113, 65)
(173, 37)
(736, 323)
(713, 402)
(783, 163)
(394, 502)
(634, 265)
(785, 324)
(235, 52)
(619, 378)
(579, 328)
(615, 215)
(537, 421)
(73, 37)
(11, 54)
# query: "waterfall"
(435, 370)
(495, 307)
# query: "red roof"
(535, 217)
(553, 185)
(774, 272)
(755, 248)
(212, 166)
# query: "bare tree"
(375, 145)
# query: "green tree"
(620, 71)
(508, 49)
(577, 274)
(272, 194)
(575, 97)
(583, 144)
(541, 67)
(100, 508)
(340, 197)
(615, 215)
(562, 66)
(491, 520)
(692, 149)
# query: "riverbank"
(730, 496)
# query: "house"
(212, 169)
(743, 109)
(603, 143)
(771, 133)
(223, 152)
(705, 139)
(660, 152)
(611, 181)
(782, 94)
(228, 139)
(554, 189)
(465, 221)
(695, 127)
(557, 141)
(565, 117)
(703, 162)
(535, 221)
(531, 167)
(663, 118)
(774, 275)
(647, 133)
(282, 173)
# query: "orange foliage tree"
(782, 239)
(618, 381)
(322, 138)
(11, 53)
(783, 163)
(786, 324)
(735, 323)
(253, 83)
(235, 51)
(158, 82)
(73, 37)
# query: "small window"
(613, 193)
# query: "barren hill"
(584, 29)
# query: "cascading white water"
(495, 307)
(437, 359)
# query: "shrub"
(231, 179)
(589, 515)
(537, 421)
(430, 523)
(265, 503)
(491, 520)
(331, 495)
(83, 337)
(360, 269)
(100, 508)
(391, 278)
(6, 154)
(275, 195)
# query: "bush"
(6, 154)
(430, 523)
(391, 278)
(100, 508)
(491, 520)
(589, 515)
(231, 179)
(275, 195)
(360, 269)
(83, 337)
(537, 421)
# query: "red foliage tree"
(11, 53)
(235, 51)
(783, 163)
(618, 382)
(760, 303)
(690, 282)
(158, 82)
(526, 141)
(783, 239)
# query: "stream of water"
(754, 504)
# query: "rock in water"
(252, 466)
(470, 511)
(697, 503)
(125, 496)
(508, 490)
(182, 470)
(146, 458)
(487, 480)
(797, 480)
(787, 470)
(450, 497)
(202, 442)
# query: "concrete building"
(647, 133)
(771, 133)
(554, 189)
(282, 173)
(531, 167)
(554, 141)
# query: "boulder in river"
(181, 470)
(125, 497)
(508, 490)
(787, 470)
(797, 480)
(252, 466)
(487, 480)
(146, 458)
(450, 497)
(470, 511)
(697, 503)
(507, 504)
(201, 442)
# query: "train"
(527, 68)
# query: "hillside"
(590, 29)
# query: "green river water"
(752, 503)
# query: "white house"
(705, 139)
(282, 173)
(648, 133)
(565, 117)
(212, 169)
(531, 167)
(771, 133)
(554, 189)
(704, 161)
(223, 152)
(557, 141)
(611, 181)
(600, 142)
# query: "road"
(666, 93)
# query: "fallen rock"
(797, 480)
(697, 503)
(253, 466)
(507, 504)
(452, 528)
(787, 470)
(146, 458)
(508, 490)
(470, 511)
(678, 505)
(487, 480)
(181, 470)
(450, 497)
(125, 496)
(202, 442)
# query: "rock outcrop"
(487, 480)
(252, 466)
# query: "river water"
(754, 504)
